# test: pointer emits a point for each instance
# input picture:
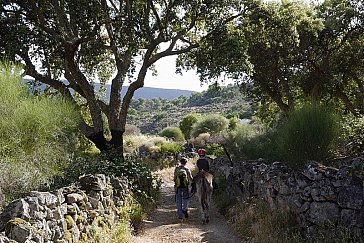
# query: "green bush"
(171, 148)
(234, 122)
(172, 132)
(353, 134)
(215, 150)
(310, 134)
(239, 142)
(38, 136)
(201, 140)
(186, 124)
(131, 130)
(212, 124)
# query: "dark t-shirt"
(203, 164)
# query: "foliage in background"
(151, 115)
(151, 151)
(201, 140)
(215, 150)
(186, 124)
(171, 148)
(239, 142)
(133, 142)
(174, 133)
(311, 133)
(38, 136)
(268, 113)
(212, 124)
(353, 135)
(234, 122)
(131, 130)
(311, 52)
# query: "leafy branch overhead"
(94, 41)
(288, 52)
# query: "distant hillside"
(145, 92)
(151, 116)
(151, 93)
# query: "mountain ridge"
(144, 92)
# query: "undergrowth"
(256, 222)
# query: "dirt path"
(164, 226)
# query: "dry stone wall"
(318, 194)
(69, 214)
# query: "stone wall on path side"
(317, 194)
(69, 214)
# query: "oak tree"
(90, 41)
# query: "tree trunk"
(99, 140)
(117, 138)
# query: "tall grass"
(255, 222)
(37, 135)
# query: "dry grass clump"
(132, 143)
(201, 140)
(256, 222)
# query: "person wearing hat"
(202, 162)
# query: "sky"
(168, 79)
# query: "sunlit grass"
(37, 135)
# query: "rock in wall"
(69, 214)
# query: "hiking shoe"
(185, 213)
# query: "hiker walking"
(182, 178)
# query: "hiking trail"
(163, 225)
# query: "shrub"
(238, 142)
(133, 142)
(234, 123)
(157, 141)
(201, 140)
(222, 199)
(186, 124)
(172, 132)
(131, 130)
(154, 149)
(37, 136)
(171, 148)
(353, 134)
(212, 124)
(215, 149)
(309, 133)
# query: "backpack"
(181, 179)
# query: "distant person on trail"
(182, 178)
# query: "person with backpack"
(182, 178)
